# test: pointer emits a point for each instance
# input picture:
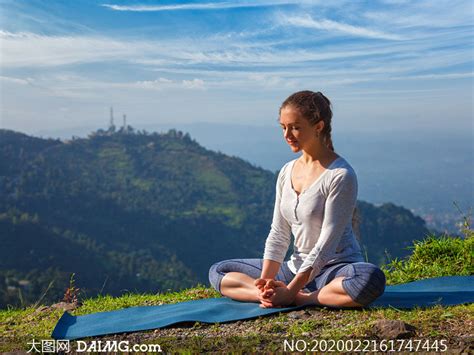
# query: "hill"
(139, 211)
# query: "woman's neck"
(321, 156)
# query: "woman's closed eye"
(291, 128)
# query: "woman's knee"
(216, 274)
(366, 284)
(217, 271)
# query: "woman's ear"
(318, 128)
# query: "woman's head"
(313, 107)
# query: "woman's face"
(297, 130)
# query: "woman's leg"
(346, 285)
(235, 278)
(239, 287)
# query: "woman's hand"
(274, 293)
(266, 286)
(261, 283)
(281, 296)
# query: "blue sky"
(389, 65)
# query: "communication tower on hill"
(111, 125)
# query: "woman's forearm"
(299, 281)
(270, 269)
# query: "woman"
(315, 201)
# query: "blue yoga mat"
(448, 290)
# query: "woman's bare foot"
(304, 298)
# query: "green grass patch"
(109, 303)
(433, 257)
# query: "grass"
(431, 257)
(434, 257)
(109, 303)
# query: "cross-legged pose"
(315, 202)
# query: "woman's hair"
(315, 107)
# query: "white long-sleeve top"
(320, 219)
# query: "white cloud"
(424, 13)
(18, 81)
(436, 76)
(159, 83)
(395, 2)
(29, 49)
(193, 84)
(307, 21)
(39, 51)
(273, 80)
(32, 50)
(196, 6)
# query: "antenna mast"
(111, 116)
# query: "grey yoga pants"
(363, 282)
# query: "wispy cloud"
(423, 13)
(218, 63)
(19, 81)
(30, 49)
(193, 84)
(437, 76)
(196, 6)
(159, 83)
(307, 21)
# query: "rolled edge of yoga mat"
(436, 284)
(405, 300)
(60, 330)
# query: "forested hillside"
(139, 211)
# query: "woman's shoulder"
(342, 170)
(288, 165)
(284, 171)
(342, 165)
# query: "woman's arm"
(277, 242)
(270, 269)
(279, 238)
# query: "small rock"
(65, 306)
(41, 309)
(294, 315)
(300, 315)
(393, 329)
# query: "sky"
(386, 65)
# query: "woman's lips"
(292, 142)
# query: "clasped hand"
(274, 293)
